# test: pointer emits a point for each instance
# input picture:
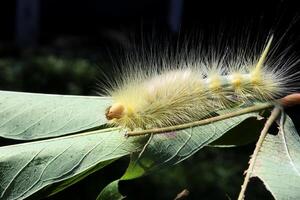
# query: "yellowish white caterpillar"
(192, 88)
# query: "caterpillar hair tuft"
(189, 86)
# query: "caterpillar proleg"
(193, 87)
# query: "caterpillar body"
(191, 90)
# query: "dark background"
(63, 47)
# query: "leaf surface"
(28, 168)
(171, 148)
(278, 162)
(27, 116)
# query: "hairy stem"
(201, 122)
(269, 122)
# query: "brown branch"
(290, 100)
(201, 122)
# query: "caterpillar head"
(116, 111)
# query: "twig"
(182, 195)
(201, 122)
(276, 111)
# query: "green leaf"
(111, 192)
(28, 116)
(59, 186)
(133, 171)
(278, 162)
(29, 167)
(171, 148)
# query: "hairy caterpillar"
(192, 88)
